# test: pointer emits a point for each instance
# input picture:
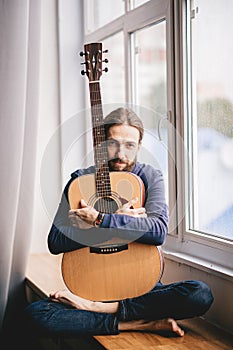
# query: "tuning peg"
(105, 69)
(82, 53)
(83, 72)
(105, 51)
(85, 62)
(106, 60)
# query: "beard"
(115, 163)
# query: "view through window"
(211, 120)
(150, 91)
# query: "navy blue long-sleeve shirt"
(63, 237)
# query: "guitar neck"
(103, 186)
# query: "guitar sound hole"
(106, 205)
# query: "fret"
(102, 178)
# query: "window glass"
(101, 12)
(150, 68)
(150, 84)
(136, 3)
(211, 120)
(113, 82)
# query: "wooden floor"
(199, 335)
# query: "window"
(171, 60)
(211, 119)
(136, 3)
(138, 64)
(101, 12)
(113, 83)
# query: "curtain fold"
(19, 95)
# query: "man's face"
(123, 145)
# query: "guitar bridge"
(108, 249)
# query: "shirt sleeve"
(63, 237)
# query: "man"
(157, 310)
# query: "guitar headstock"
(93, 61)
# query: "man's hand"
(83, 217)
(127, 209)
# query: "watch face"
(99, 219)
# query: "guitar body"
(124, 186)
(108, 277)
(115, 270)
(104, 276)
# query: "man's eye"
(112, 143)
(130, 145)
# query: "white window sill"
(201, 254)
(199, 264)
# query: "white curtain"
(19, 84)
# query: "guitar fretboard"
(103, 186)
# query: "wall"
(49, 117)
(61, 103)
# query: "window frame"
(195, 248)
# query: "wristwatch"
(99, 219)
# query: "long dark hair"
(123, 116)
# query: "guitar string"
(100, 153)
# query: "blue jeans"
(177, 300)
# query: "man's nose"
(121, 151)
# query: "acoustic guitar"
(114, 270)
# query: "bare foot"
(70, 299)
(168, 324)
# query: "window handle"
(165, 117)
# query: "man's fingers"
(139, 212)
(83, 203)
(131, 202)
